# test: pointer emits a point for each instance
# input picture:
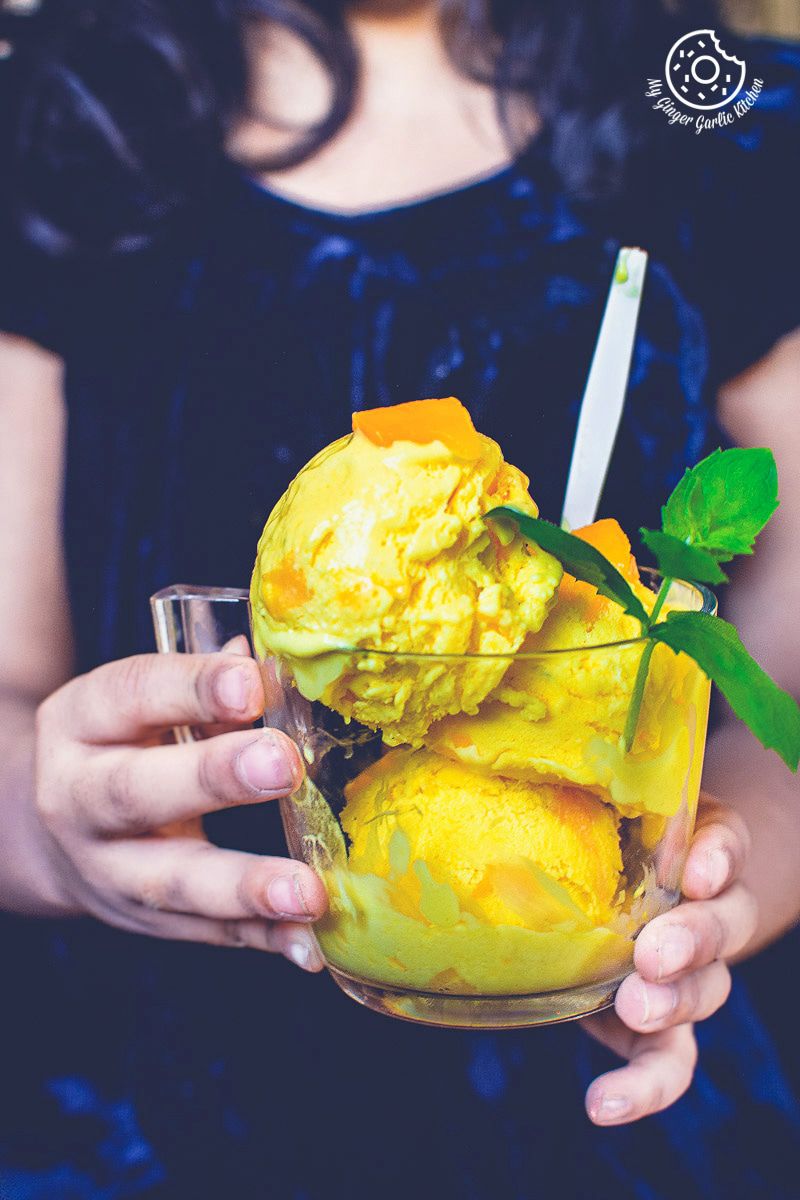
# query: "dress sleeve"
(748, 248)
(33, 294)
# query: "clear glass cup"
(498, 873)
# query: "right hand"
(122, 810)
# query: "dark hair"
(120, 108)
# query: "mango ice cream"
(484, 830)
(561, 716)
(413, 807)
(461, 882)
(380, 544)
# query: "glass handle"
(199, 620)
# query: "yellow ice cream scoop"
(461, 882)
(561, 716)
(452, 840)
(380, 545)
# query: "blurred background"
(777, 18)
(780, 18)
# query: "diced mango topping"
(284, 589)
(610, 539)
(422, 421)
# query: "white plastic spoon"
(604, 397)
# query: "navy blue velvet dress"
(200, 375)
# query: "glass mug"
(497, 875)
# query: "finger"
(648, 1007)
(695, 934)
(126, 700)
(660, 1071)
(237, 645)
(139, 789)
(718, 853)
(186, 875)
(607, 1029)
(295, 942)
(202, 733)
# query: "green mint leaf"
(770, 713)
(679, 560)
(722, 503)
(577, 557)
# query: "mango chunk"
(610, 539)
(284, 589)
(422, 421)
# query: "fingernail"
(611, 1108)
(233, 689)
(285, 897)
(300, 954)
(265, 767)
(718, 869)
(658, 1001)
(675, 950)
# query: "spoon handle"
(604, 397)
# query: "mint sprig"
(680, 560)
(715, 513)
(724, 502)
(577, 557)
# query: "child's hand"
(120, 811)
(681, 976)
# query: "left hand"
(681, 976)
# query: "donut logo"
(704, 86)
(701, 74)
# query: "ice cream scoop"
(561, 717)
(457, 882)
(515, 853)
(380, 545)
